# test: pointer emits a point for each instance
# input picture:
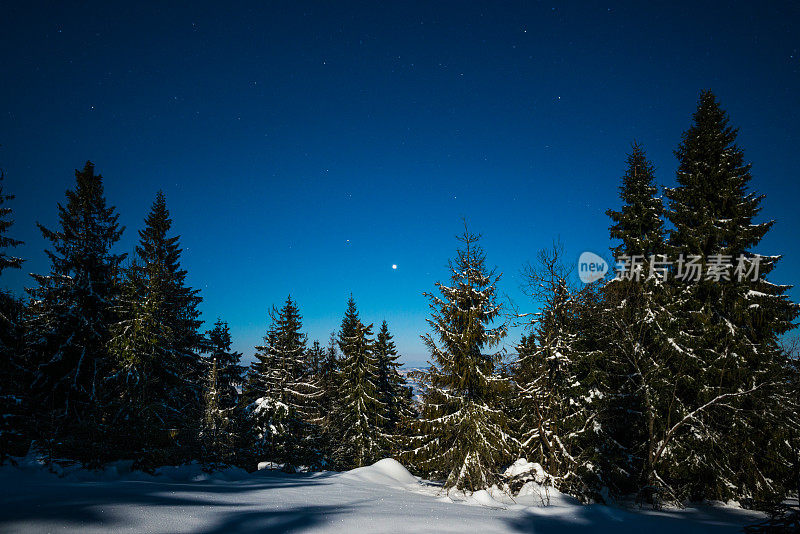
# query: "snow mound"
(387, 472)
(483, 498)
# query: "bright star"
(394, 266)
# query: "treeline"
(106, 360)
(660, 385)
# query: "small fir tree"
(361, 415)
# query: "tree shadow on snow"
(49, 501)
(269, 521)
(600, 519)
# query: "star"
(394, 266)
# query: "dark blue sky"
(306, 148)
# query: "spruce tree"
(13, 376)
(221, 431)
(329, 401)
(361, 415)
(284, 391)
(70, 315)
(462, 431)
(159, 374)
(639, 317)
(732, 359)
(558, 397)
(221, 428)
(394, 394)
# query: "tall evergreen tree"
(641, 343)
(159, 374)
(69, 318)
(13, 378)
(462, 432)
(732, 360)
(361, 414)
(392, 389)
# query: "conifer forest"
(653, 379)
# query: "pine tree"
(70, 314)
(214, 432)
(13, 378)
(285, 391)
(156, 344)
(462, 431)
(732, 360)
(638, 318)
(557, 391)
(394, 394)
(329, 401)
(222, 416)
(361, 415)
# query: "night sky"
(306, 148)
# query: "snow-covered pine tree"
(221, 415)
(69, 317)
(462, 435)
(558, 399)
(285, 391)
(361, 414)
(214, 429)
(393, 391)
(158, 373)
(316, 411)
(639, 317)
(13, 378)
(266, 413)
(716, 447)
(329, 400)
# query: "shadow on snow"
(93, 504)
(600, 518)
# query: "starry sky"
(305, 148)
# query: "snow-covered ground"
(380, 498)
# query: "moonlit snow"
(383, 497)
